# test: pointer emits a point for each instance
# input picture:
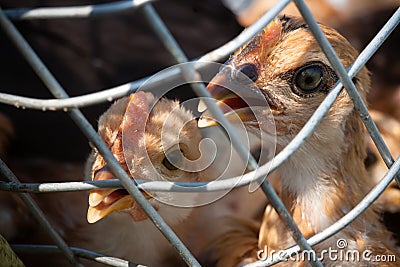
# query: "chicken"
(326, 177)
(161, 149)
(202, 224)
(152, 142)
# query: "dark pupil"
(309, 79)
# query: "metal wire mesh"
(71, 104)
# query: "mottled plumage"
(326, 177)
(168, 125)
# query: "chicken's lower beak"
(103, 202)
(233, 116)
(234, 100)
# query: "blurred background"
(89, 55)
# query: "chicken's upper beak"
(236, 100)
(102, 202)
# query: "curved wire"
(73, 11)
(79, 252)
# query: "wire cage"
(62, 101)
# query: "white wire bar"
(73, 11)
(56, 89)
(173, 73)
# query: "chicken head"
(152, 140)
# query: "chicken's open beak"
(237, 101)
(102, 202)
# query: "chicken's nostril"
(249, 70)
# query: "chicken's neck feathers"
(326, 177)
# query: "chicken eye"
(172, 159)
(309, 79)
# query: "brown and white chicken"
(159, 137)
(181, 138)
(326, 177)
(151, 141)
